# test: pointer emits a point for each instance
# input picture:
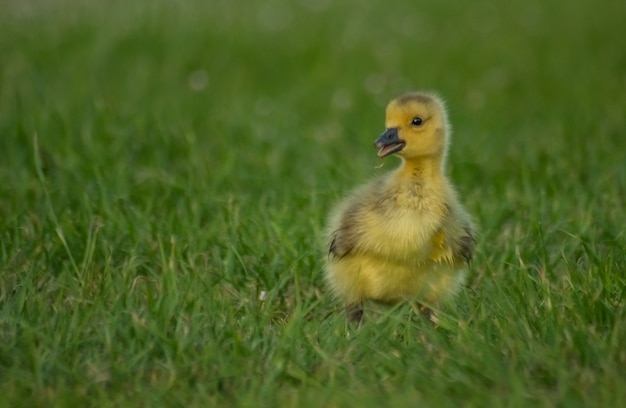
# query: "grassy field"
(167, 167)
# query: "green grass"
(165, 163)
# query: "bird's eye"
(417, 121)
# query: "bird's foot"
(428, 313)
(355, 313)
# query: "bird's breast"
(402, 235)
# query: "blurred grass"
(165, 163)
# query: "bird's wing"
(457, 250)
(344, 239)
(340, 243)
(441, 251)
(464, 248)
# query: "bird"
(404, 236)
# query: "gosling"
(404, 236)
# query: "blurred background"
(240, 76)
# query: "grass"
(167, 168)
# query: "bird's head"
(417, 127)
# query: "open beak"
(389, 143)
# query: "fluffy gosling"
(404, 236)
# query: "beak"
(389, 143)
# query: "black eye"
(417, 121)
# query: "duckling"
(404, 236)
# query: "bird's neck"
(422, 169)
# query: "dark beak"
(389, 143)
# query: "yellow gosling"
(404, 236)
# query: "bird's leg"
(355, 312)
(427, 313)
